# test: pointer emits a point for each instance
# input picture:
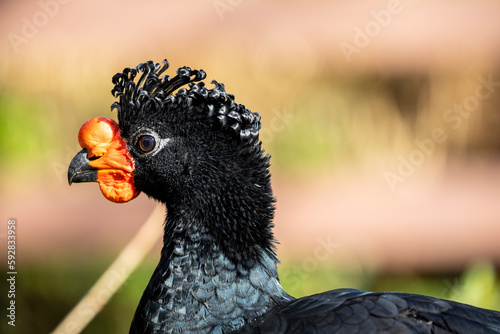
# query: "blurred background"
(382, 119)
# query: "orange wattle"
(107, 151)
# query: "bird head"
(174, 138)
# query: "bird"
(196, 150)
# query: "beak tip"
(79, 169)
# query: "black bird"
(197, 151)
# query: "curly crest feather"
(152, 91)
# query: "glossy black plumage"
(356, 311)
(217, 271)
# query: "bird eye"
(146, 143)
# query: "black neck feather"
(199, 287)
(217, 270)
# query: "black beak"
(79, 169)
